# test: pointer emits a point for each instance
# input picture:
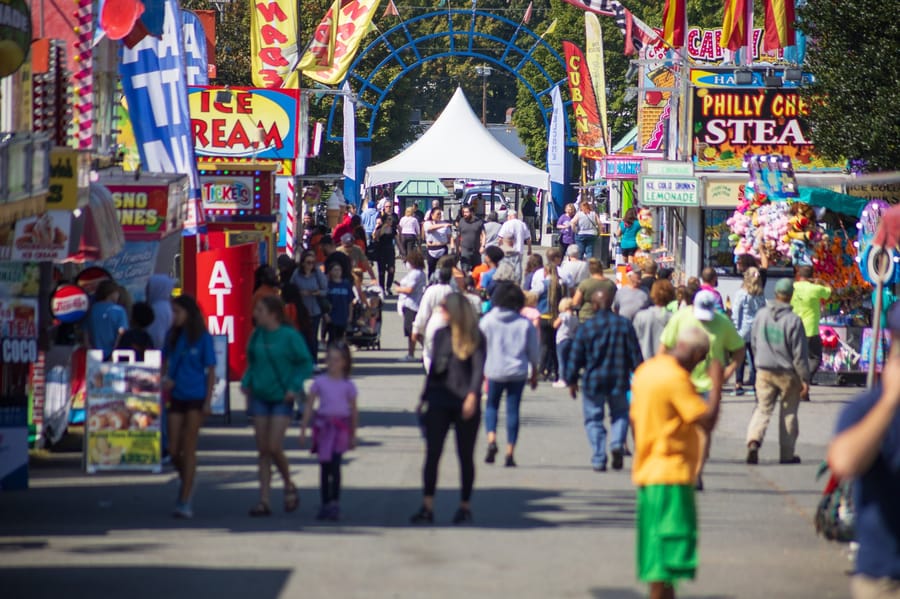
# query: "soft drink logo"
(69, 303)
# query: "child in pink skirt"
(333, 396)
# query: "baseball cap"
(347, 238)
(705, 304)
(784, 287)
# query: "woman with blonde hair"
(452, 397)
(747, 302)
(410, 231)
(586, 226)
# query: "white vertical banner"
(349, 133)
(556, 143)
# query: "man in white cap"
(724, 342)
(513, 235)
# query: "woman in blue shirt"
(628, 230)
(189, 374)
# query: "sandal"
(260, 509)
(291, 499)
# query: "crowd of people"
(491, 317)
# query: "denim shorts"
(264, 409)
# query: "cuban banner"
(584, 104)
(353, 23)
(195, 49)
(349, 133)
(593, 36)
(254, 123)
(153, 81)
(273, 43)
(730, 124)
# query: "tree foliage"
(854, 102)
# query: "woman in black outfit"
(384, 238)
(453, 396)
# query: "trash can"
(601, 249)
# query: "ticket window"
(717, 251)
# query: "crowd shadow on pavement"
(140, 582)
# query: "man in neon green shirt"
(807, 304)
(726, 348)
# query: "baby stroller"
(365, 324)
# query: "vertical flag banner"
(674, 22)
(273, 43)
(779, 25)
(593, 36)
(528, 11)
(195, 55)
(153, 81)
(354, 21)
(349, 133)
(733, 25)
(556, 142)
(584, 104)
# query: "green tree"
(854, 102)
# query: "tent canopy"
(422, 188)
(836, 202)
(457, 146)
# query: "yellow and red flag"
(733, 32)
(779, 31)
(588, 129)
(673, 22)
(273, 43)
(336, 40)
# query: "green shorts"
(667, 533)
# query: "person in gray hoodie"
(780, 351)
(512, 346)
(159, 296)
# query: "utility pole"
(484, 71)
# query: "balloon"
(117, 17)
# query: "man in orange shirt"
(670, 422)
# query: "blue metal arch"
(510, 50)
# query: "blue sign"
(153, 79)
(195, 49)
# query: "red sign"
(588, 130)
(224, 293)
(141, 209)
(69, 303)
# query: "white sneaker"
(409, 359)
(560, 385)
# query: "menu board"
(124, 409)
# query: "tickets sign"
(244, 122)
(729, 124)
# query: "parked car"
(497, 203)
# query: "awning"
(836, 202)
(422, 188)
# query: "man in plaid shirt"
(607, 349)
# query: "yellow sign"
(889, 192)
(273, 43)
(352, 25)
(64, 164)
(116, 450)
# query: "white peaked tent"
(457, 146)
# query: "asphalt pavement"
(549, 528)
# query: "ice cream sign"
(42, 238)
(244, 122)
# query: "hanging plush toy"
(644, 237)
(802, 233)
